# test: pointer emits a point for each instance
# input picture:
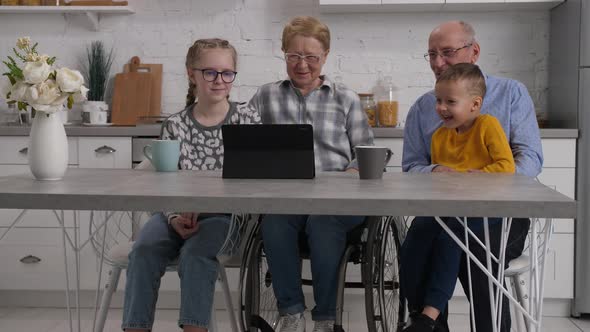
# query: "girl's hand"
(443, 169)
(186, 224)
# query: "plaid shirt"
(334, 111)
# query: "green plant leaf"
(51, 60)
(22, 106)
(12, 102)
(70, 101)
(53, 75)
(15, 71)
(10, 78)
(18, 55)
(96, 69)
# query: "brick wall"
(514, 44)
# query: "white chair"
(517, 279)
(112, 235)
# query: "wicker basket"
(9, 2)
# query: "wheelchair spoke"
(383, 301)
(259, 296)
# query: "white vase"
(48, 147)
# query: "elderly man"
(428, 284)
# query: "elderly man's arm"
(525, 139)
(416, 155)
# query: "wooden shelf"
(93, 13)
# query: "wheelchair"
(375, 245)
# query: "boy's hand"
(186, 224)
(443, 169)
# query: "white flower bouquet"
(38, 84)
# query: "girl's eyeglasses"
(210, 75)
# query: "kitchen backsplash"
(514, 44)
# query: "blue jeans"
(158, 244)
(430, 260)
(326, 237)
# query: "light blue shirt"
(506, 99)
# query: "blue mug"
(163, 154)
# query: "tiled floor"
(53, 320)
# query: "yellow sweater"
(484, 146)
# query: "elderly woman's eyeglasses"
(444, 54)
(210, 75)
(308, 58)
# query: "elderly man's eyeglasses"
(445, 54)
(308, 58)
(210, 75)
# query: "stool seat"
(517, 266)
(119, 255)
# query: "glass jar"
(387, 103)
(370, 107)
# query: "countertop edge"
(154, 131)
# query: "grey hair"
(469, 32)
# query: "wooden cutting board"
(131, 95)
(156, 91)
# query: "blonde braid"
(190, 96)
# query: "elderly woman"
(308, 97)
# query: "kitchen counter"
(545, 133)
(153, 130)
(148, 130)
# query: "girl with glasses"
(193, 238)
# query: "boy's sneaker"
(419, 322)
(293, 323)
(323, 326)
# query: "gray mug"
(372, 160)
(163, 154)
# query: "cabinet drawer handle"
(105, 149)
(23, 150)
(30, 259)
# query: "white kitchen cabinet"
(559, 280)
(13, 150)
(412, 5)
(343, 6)
(585, 35)
(39, 234)
(350, 2)
(559, 152)
(105, 152)
(396, 146)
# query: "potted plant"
(96, 68)
(38, 84)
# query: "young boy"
(467, 142)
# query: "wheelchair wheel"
(381, 275)
(257, 294)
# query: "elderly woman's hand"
(185, 224)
